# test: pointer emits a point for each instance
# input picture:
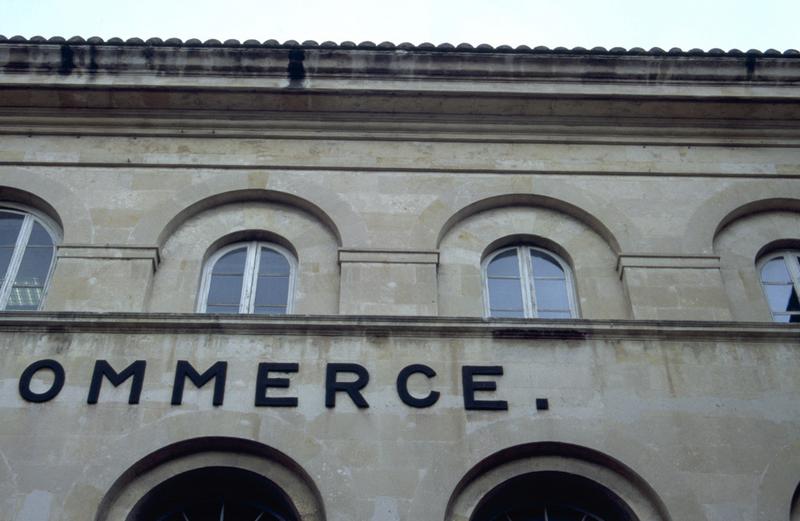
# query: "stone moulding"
(395, 326)
(154, 64)
(110, 252)
(388, 256)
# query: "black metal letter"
(402, 386)
(470, 386)
(27, 376)
(184, 369)
(103, 368)
(351, 388)
(263, 382)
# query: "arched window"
(218, 493)
(551, 496)
(780, 279)
(249, 277)
(27, 255)
(527, 282)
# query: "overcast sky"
(626, 23)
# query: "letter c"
(402, 386)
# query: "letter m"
(185, 370)
(103, 369)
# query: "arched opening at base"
(551, 496)
(218, 493)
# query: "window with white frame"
(248, 277)
(27, 256)
(528, 282)
(780, 279)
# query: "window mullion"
(16, 260)
(793, 266)
(250, 267)
(526, 281)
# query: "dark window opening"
(551, 496)
(218, 494)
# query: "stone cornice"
(379, 326)
(393, 69)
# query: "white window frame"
(529, 302)
(30, 217)
(789, 258)
(249, 279)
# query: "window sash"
(532, 308)
(250, 277)
(791, 260)
(9, 280)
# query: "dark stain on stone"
(93, 59)
(750, 63)
(296, 70)
(149, 56)
(67, 60)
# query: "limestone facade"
(389, 174)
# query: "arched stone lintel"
(732, 203)
(146, 230)
(30, 190)
(759, 206)
(531, 200)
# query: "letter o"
(27, 376)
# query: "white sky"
(742, 24)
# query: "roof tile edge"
(389, 46)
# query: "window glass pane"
(272, 291)
(39, 236)
(28, 288)
(551, 294)
(225, 286)
(10, 224)
(775, 271)
(232, 263)
(504, 265)
(225, 290)
(545, 266)
(273, 263)
(35, 264)
(5, 259)
(505, 294)
(781, 297)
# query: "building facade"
(390, 282)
